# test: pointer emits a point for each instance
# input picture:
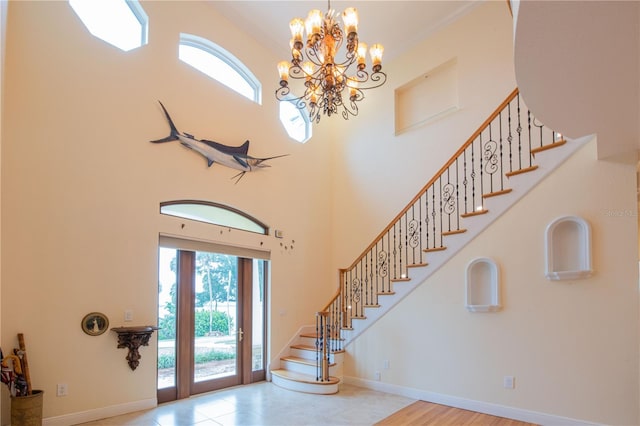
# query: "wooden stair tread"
(454, 232)
(372, 306)
(518, 172)
(305, 361)
(399, 280)
(304, 378)
(427, 250)
(417, 265)
(313, 336)
(496, 193)
(556, 144)
(474, 213)
(386, 293)
(304, 347)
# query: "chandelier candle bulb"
(283, 70)
(362, 55)
(313, 24)
(350, 19)
(297, 28)
(376, 56)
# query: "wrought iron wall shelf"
(132, 338)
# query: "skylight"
(123, 24)
(219, 64)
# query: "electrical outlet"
(62, 389)
(509, 382)
(128, 315)
(377, 376)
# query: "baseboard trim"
(469, 404)
(100, 413)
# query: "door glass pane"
(167, 303)
(257, 315)
(215, 339)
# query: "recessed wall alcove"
(568, 249)
(428, 97)
(482, 286)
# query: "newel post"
(322, 345)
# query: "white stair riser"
(299, 367)
(311, 355)
(302, 353)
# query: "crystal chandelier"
(329, 82)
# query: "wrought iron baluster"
(378, 268)
(395, 252)
(388, 260)
(510, 137)
(420, 228)
(473, 180)
(465, 181)
(490, 158)
(529, 135)
(372, 289)
(457, 195)
(519, 131)
(433, 213)
(400, 244)
(413, 233)
(501, 158)
(426, 217)
(318, 348)
(481, 194)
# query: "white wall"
(375, 173)
(571, 345)
(81, 187)
(564, 56)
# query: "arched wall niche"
(568, 249)
(482, 292)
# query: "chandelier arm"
(349, 109)
(313, 56)
(366, 81)
(283, 93)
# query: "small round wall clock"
(95, 323)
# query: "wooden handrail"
(433, 179)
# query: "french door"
(211, 313)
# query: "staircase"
(301, 367)
(504, 159)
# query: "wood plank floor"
(427, 413)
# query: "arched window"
(219, 64)
(214, 213)
(295, 121)
(123, 24)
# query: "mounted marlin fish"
(235, 157)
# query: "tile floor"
(266, 404)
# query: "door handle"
(240, 334)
